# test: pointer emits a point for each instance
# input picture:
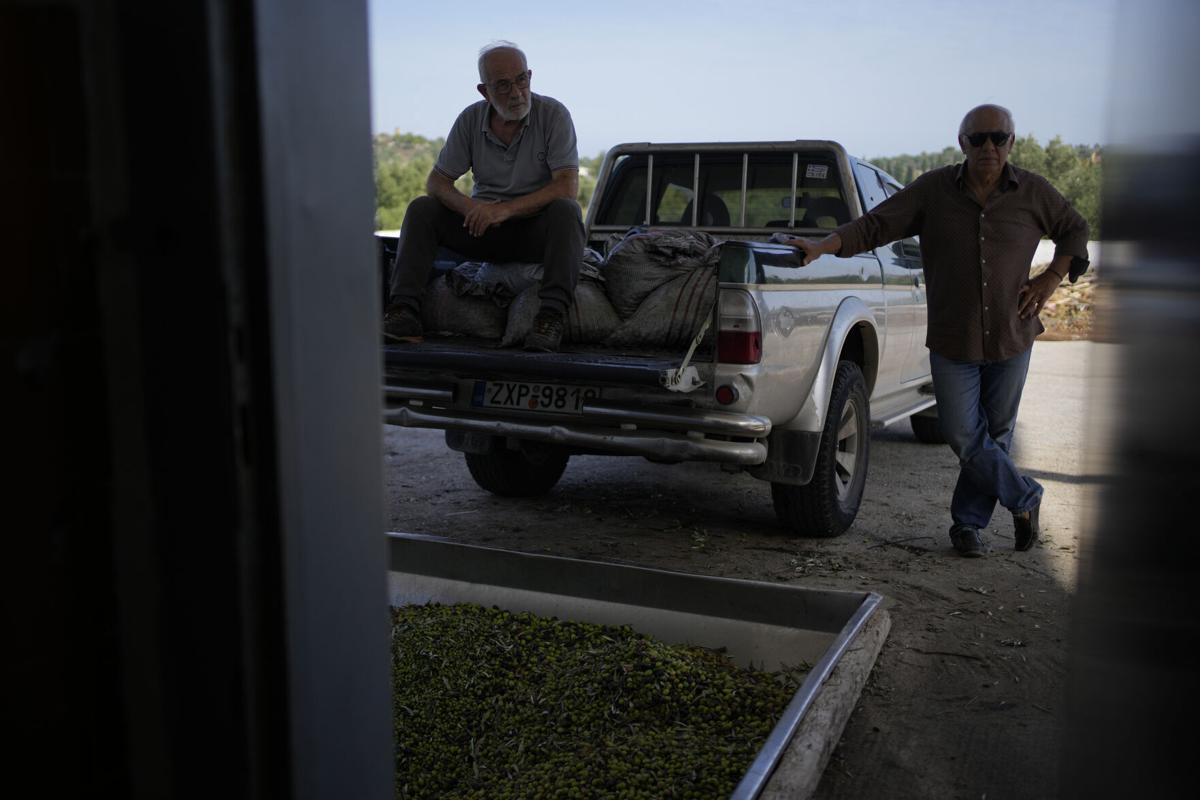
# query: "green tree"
(587, 188)
(1075, 170)
(397, 183)
(589, 174)
(907, 168)
(1061, 161)
(403, 162)
(1082, 187)
(466, 183)
(1028, 154)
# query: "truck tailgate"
(580, 365)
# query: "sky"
(881, 78)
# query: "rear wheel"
(827, 505)
(517, 473)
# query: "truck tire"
(927, 429)
(517, 473)
(827, 505)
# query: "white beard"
(510, 114)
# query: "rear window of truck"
(735, 190)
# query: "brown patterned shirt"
(976, 258)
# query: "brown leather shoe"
(1025, 527)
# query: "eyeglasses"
(504, 86)
(999, 138)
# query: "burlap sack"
(590, 319)
(640, 262)
(520, 317)
(442, 311)
(672, 315)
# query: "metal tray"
(760, 624)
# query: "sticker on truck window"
(818, 171)
(552, 397)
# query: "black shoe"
(547, 332)
(401, 323)
(967, 541)
(1026, 530)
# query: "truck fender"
(792, 447)
(852, 321)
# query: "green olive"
(493, 704)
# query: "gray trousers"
(552, 237)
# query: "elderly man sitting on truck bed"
(521, 148)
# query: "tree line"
(1074, 170)
(403, 160)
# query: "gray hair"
(500, 44)
(962, 126)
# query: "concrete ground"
(966, 698)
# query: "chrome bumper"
(659, 432)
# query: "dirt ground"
(966, 698)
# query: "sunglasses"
(999, 138)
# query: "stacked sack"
(663, 284)
(654, 290)
(485, 300)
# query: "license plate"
(552, 397)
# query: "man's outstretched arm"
(812, 248)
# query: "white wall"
(1045, 252)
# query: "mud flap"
(791, 457)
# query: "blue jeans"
(977, 406)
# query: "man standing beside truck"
(979, 223)
(522, 151)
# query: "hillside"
(403, 161)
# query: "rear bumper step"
(663, 445)
(661, 432)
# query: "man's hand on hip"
(484, 215)
(1035, 292)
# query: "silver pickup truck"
(783, 379)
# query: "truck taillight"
(739, 347)
(739, 334)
